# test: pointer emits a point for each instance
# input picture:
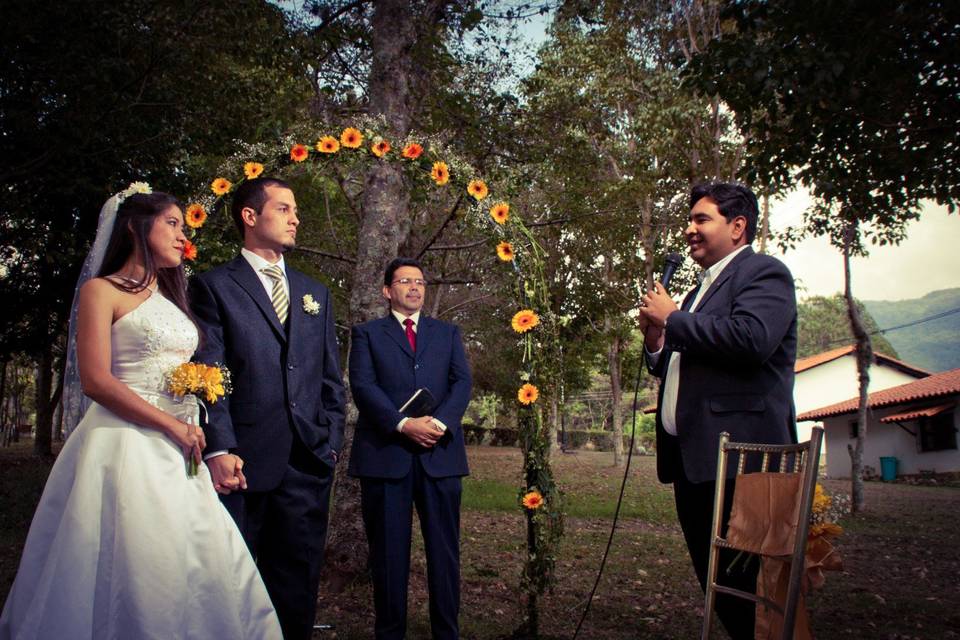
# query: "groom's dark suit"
(395, 472)
(738, 350)
(284, 419)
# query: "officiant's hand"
(226, 471)
(423, 431)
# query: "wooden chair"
(803, 459)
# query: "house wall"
(886, 440)
(836, 381)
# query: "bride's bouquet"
(206, 382)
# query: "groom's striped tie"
(281, 303)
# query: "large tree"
(869, 122)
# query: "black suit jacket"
(384, 373)
(738, 351)
(286, 380)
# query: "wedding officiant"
(725, 358)
(412, 457)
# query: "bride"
(125, 544)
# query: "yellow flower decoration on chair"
(196, 216)
(440, 173)
(505, 251)
(328, 144)
(528, 394)
(221, 186)
(351, 138)
(478, 189)
(252, 170)
(533, 500)
(500, 212)
(524, 320)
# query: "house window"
(854, 429)
(938, 432)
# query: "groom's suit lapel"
(395, 332)
(425, 334)
(244, 275)
(725, 275)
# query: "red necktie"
(411, 334)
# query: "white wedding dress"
(124, 545)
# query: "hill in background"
(932, 345)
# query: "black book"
(420, 404)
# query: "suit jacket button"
(293, 405)
(416, 366)
(290, 366)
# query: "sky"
(927, 260)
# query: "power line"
(936, 316)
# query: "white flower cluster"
(310, 305)
(135, 187)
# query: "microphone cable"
(616, 513)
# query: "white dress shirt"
(416, 324)
(671, 383)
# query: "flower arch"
(430, 164)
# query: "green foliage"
(823, 324)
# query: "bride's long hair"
(135, 218)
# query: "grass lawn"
(902, 558)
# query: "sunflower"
(351, 138)
(328, 144)
(412, 151)
(500, 212)
(524, 320)
(221, 186)
(196, 216)
(528, 394)
(380, 148)
(252, 170)
(532, 500)
(299, 152)
(505, 251)
(440, 173)
(189, 250)
(478, 189)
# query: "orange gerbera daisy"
(524, 320)
(500, 212)
(196, 216)
(351, 138)
(380, 148)
(221, 186)
(533, 500)
(299, 152)
(528, 394)
(478, 189)
(440, 173)
(328, 144)
(412, 151)
(189, 250)
(505, 251)
(252, 170)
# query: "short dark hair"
(253, 194)
(732, 200)
(395, 264)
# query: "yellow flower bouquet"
(207, 382)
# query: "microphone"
(670, 265)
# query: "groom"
(273, 443)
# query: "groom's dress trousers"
(387, 366)
(284, 418)
(736, 341)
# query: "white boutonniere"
(310, 305)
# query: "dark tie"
(411, 334)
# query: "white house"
(831, 376)
(916, 423)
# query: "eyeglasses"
(408, 281)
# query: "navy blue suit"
(285, 420)
(395, 472)
(738, 349)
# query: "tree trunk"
(42, 443)
(613, 359)
(864, 358)
(384, 227)
(764, 230)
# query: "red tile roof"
(919, 413)
(936, 385)
(828, 356)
